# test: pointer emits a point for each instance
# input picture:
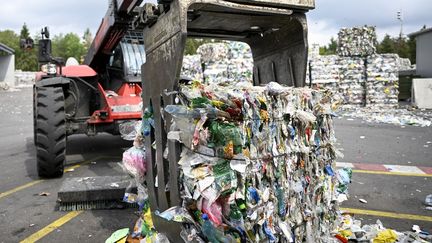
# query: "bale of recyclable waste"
(357, 41)
(258, 163)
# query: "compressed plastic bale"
(383, 80)
(240, 62)
(192, 67)
(325, 69)
(265, 164)
(352, 78)
(404, 64)
(222, 62)
(214, 58)
(346, 76)
(213, 52)
(357, 41)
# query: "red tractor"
(90, 98)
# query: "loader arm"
(114, 25)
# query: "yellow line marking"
(391, 173)
(387, 214)
(51, 227)
(7, 193)
(32, 183)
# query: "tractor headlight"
(51, 69)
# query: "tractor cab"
(127, 58)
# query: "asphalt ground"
(395, 200)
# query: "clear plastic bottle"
(147, 121)
(212, 234)
(236, 218)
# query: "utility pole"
(399, 17)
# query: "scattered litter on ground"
(118, 236)
(428, 200)
(390, 116)
(421, 232)
(362, 200)
(83, 179)
(114, 185)
(69, 170)
(44, 194)
(31, 225)
(352, 230)
(362, 137)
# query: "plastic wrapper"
(265, 171)
(357, 41)
(176, 214)
(134, 164)
(129, 130)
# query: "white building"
(7, 65)
(423, 52)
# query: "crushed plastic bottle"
(212, 234)
(147, 121)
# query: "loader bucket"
(275, 30)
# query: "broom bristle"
(94, 205)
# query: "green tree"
(387, 45)
(25, 33)
(10, 38)
(25, 60)
(412, 45)
(404, 47)
(193, 44)
(68, 45)
(87, 38)
(330, 49)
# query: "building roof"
(6, 49)
(420, 32)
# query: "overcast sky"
(324, 21)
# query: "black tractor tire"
(34, 115)
(50, 131)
